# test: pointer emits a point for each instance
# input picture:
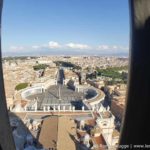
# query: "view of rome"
(67, 97)
(65, 71)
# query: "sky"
(47, 27)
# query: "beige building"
(118, 101)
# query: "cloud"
(77, 46)
(16, 48)
(53, 45)
(50, 45)
(112, 47)
(72, 47)
(103, 47)
(35, 47)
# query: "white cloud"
(70, 46)
(115, 47)
(111, 47)
(36, 47)
(78, 46)
(16, 48)
(53, 44)
(103, 47)
(124, 47)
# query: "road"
(60, 76)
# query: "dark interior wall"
(136, 126)
(6, 139)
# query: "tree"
(21, 86)
(40, 66)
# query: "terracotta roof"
(105, 114)
(115, 133)
(91, 122)
(100, 142)
(80, 133)
(49, 131)
(66, 130)
(56, 132)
